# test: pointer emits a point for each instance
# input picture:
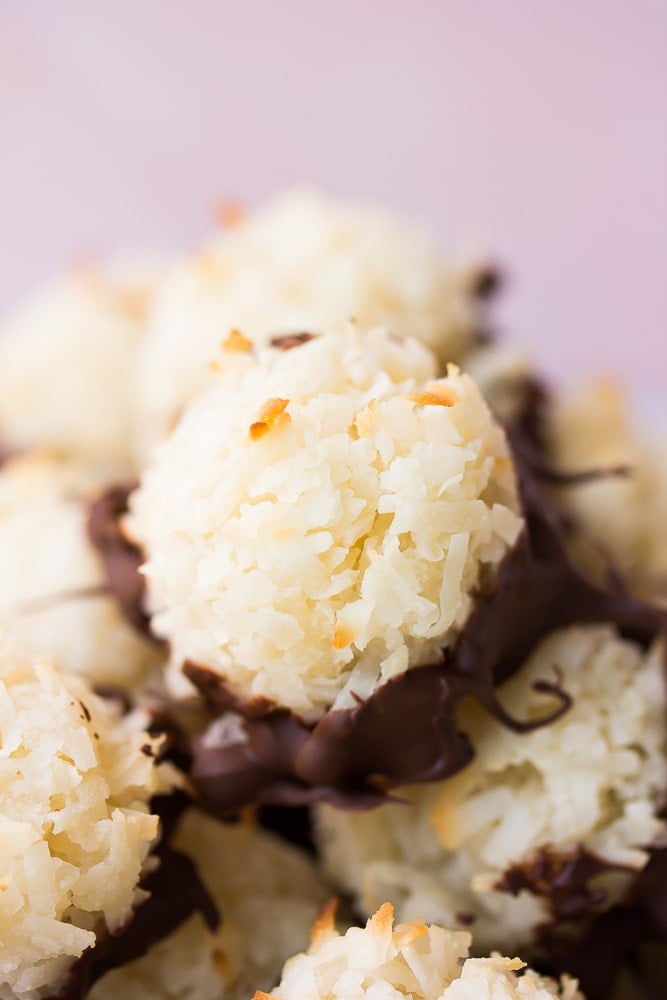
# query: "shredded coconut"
(341, 546)
(593, 779)
(51, 577)
(75, 824)
(66, 361)
(303, 262)
(617, 519)
(412, 960)
(268, 893)
(504, 374)
(591, 431)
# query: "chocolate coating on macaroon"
(120, 556)
(406, 732)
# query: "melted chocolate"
(563, 880)
(616, 941)
(292, 824)
(487, 282)
(121, 557)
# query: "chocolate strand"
(121, 558)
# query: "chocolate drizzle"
(121, 558)
(617, 941)
(563, 880)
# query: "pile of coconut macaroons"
(312, 587)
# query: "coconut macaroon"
(618, 519)
(52, 583)
(75, 822)
(303, 262)
(505, 375)
(413, 959)
(542, 830)
(588, 432)
(66, 360)
(319, 522)
(268, 893)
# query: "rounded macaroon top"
(302, 262)
(76, 827)
(67, 355)
(390, 962)
(52, 584)
(322, 517)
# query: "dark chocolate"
(487, 282)
(563, 880)
(293, 824)
(618, 942)
(121, 558)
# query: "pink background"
(538, 126)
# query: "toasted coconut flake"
(271, 416)
(325, 921)
(435, 396)
(236, 343)
(383, 919)
(229, 214)
(342, 637)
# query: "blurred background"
(538, 129)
